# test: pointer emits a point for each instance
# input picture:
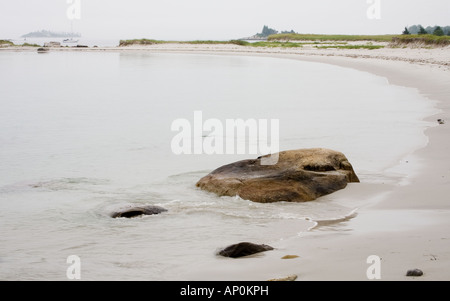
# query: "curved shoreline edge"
(403, 225)
(407, 227)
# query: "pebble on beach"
(287, 278)
(414, 273)
(290, 256)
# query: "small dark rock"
(138, 211)
(441, 121)
(414, 273)
(243, 249)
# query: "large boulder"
(298, 176)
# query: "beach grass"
(30, 45)
(426, 39)
(212, 42)
(319, 37)
(298, 40)
(246, 43)
(6, 43)
(276, 44)
(370, 47)
(9, 43)
(140, 42)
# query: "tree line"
(267, 31)
(434, 30)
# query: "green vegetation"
(438, 31)
(423, 39)
(30, 45)
(239, 42)
(422, 30)
(266, 31)
(276, 44)
(6, 43)
(140, 42)
(203, 42)
(332, 41)
(319, 37)
(419, 29)
(9, 43)
(370, 47)
(428, 39)
(209, 42)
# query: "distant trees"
(268, 31)
(422, 30)
(438, 31)
(435, 30)
(406, 31)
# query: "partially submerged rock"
(131, 212)
(298, 176)
(243, 249)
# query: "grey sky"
(216, 19)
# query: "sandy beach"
(406, 224)
(406, 221)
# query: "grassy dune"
(427, 39)
(319, 37)
(210, 42)
(370, 47)
(140, 42)
(422, 39)
(6, 43)
(293, 40)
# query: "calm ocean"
(85, 133)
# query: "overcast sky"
(217, 19)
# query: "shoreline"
(405, 225)
(437, 56)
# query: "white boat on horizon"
(71, 40)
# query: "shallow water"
(83, 134)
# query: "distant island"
(265, 33)
(50, 34)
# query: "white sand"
(439, 57)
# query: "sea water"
(85, 133)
